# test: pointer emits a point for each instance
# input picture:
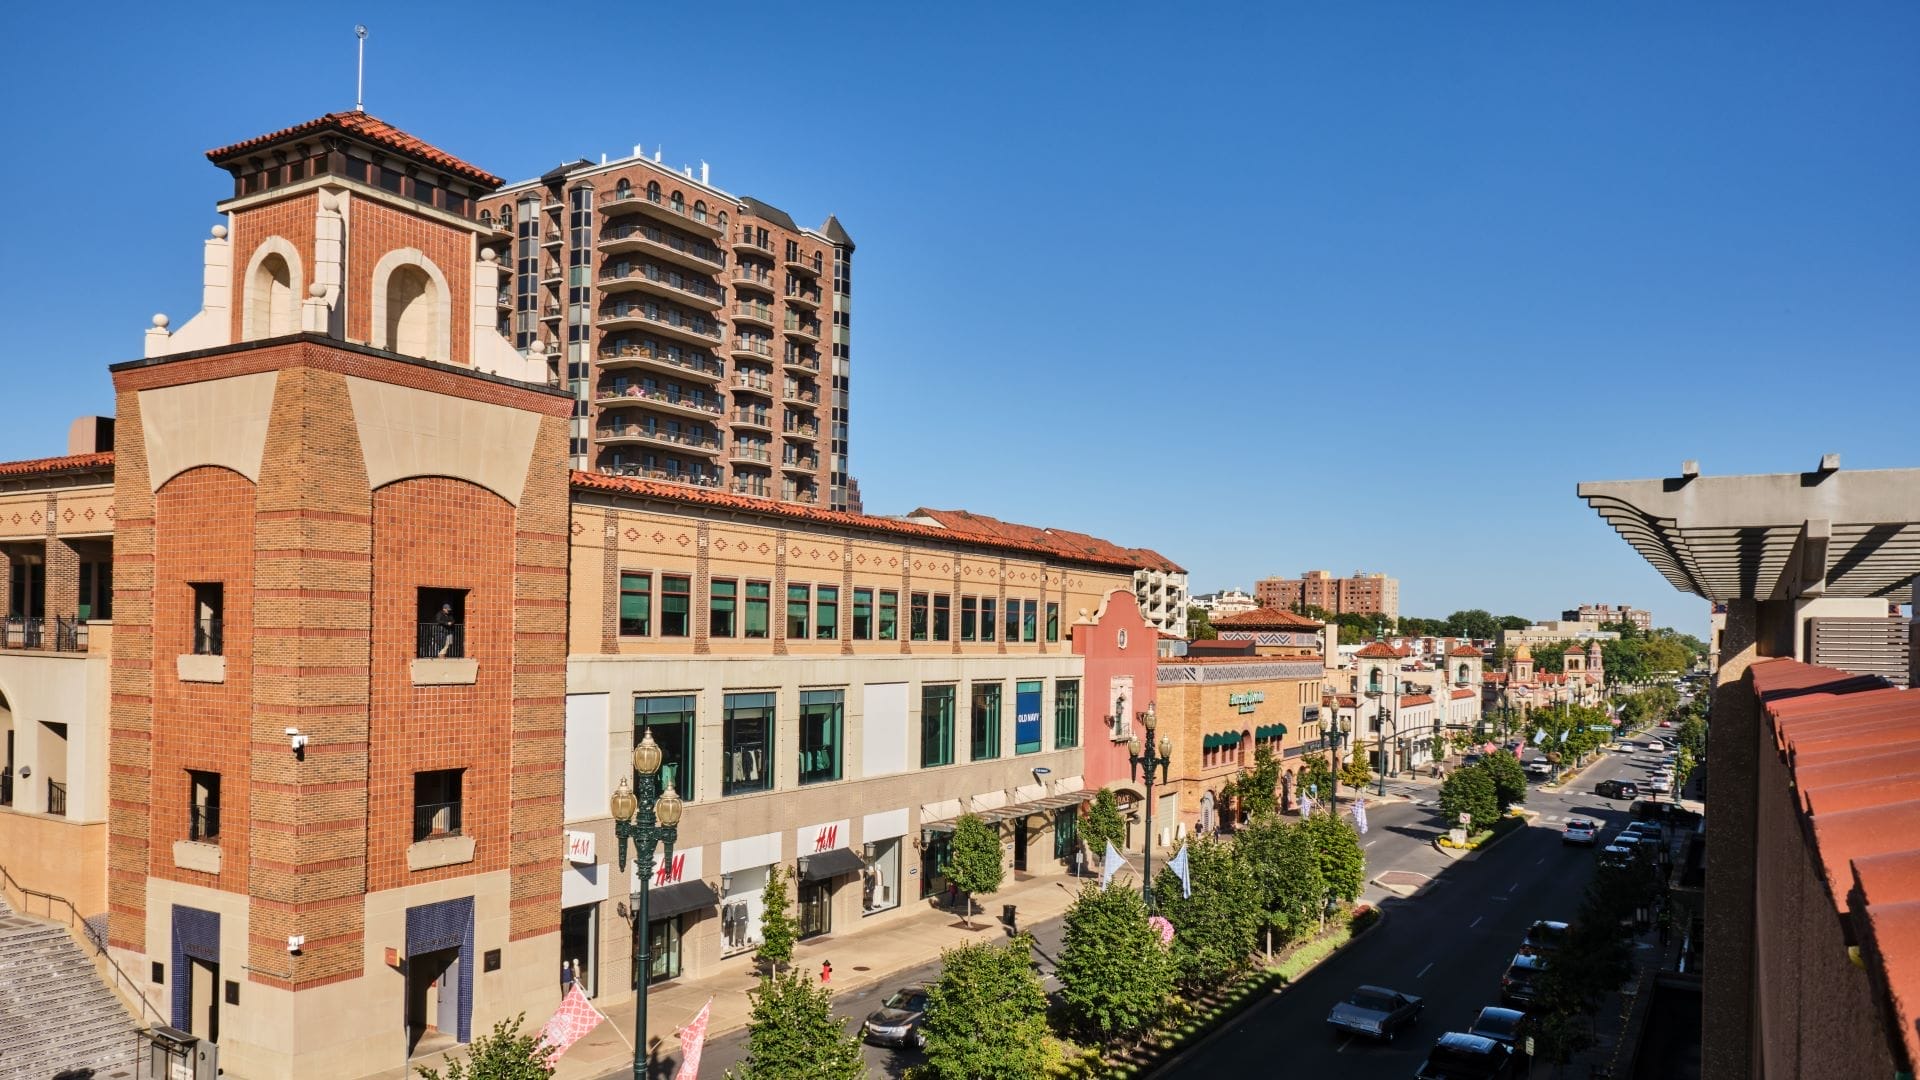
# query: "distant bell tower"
(1523, 664)
(348, 227)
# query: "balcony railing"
(57, 797)
(703, 251)
(432, 820)
(757, 279)
(742, 487)
(753, 453)
(659, 202)
(691, 324)
(811, 464)
(639, 431)
(649, 272)
(639, 472)
(761, 385)
(745, 238)
(799, 360)
(753, 345)
(208, 638)
(67, 635)
(441, 641)
(748, 416)
(811, 431)
(805, 263)
(688, 401)
(757, 312)
(805, 397)
(702, 365)
(204, 823)
(805, 294)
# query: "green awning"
(1271, 731)
(1220, 740)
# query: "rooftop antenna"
(360, 77)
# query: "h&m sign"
(580, 848)
(815, 839)
(1248, 701)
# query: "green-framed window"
(799, 604)
(936, 726)
(759, 601)
(863, 614)
(822, 724)
(826, 612)
(676, 606)
(917, 615)
(722, 603)
(636, 604)
(889, 615)
(1066, 714)
(671, 720)
(985, 731)
(942, 617)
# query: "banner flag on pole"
(1178, 864)
(693, 1039)
(1563, 736)
(1306, 806)
(570, 1023)
(1360, 815)
(1113, 865)
(1540, 736)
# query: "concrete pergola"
(1771, 548)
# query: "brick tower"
(337, 681)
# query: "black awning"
(666, 901)
(831, 864)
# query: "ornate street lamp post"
(651, 818)
(1142, 756)
(1334, 738)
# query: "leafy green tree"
(1315, 776)
(777, 929)
(1355, 772)
(1514, 622)
(1550, 656)
(1470, 791)
(506, 1053)
(1115, 976)
(1509, 778)
(1343, 862)
(1473, 623)
(974, 862)
(1257, 789)
(1200, 625)
(1214, 929)
(1101, 825)
(987, 1015)
(1286, 875)
(792, 1032)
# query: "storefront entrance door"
(1020, 845)
(816, 908)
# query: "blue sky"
(1266, 287)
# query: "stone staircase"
(56, 1017)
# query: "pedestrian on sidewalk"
(826, 972)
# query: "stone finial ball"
(219, 232)
(316, 290)
(160, 321)
(488, 255)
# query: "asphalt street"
(1449, 944)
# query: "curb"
(1530, 816)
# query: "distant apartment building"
(705, 337)
(1546, 633)
(1225, 602)
(1607, 613)
(1361, 594)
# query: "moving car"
(1617, 789)
(1581, 831)
(1619, 855)
(1543, 937)
(1460, 1056)
(1655, 745)
(1517, 985)
(1539, 767)
(1376, 1012)
(898, 1020)
(1500, 1025)
(1662, 785)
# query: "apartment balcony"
(641, 435)
(750, 453)
(758, 314)
(637, 471)
(630, 357)
(801, 362)
(746, 348)
(651, 279)
(679, 404)
(809, 464)
(549, 312)
(552, 239)
(746, 243)
(681, 215)
(796, 429)
(754, 486)
(805, 399)
(504, 300)
(683, 251)
(553, 206)
(749, 418)
(747, 278)
(799, 495)
(806, 296)
(751, 384)
(553, 275)
(807, 330)
(804, 264)
(663, 321)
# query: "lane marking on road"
(1475, 922)
(1424, 970)
(1342, 1048)
(1502, 899)
(1513, 886)
(1539, 860)
(1370, 843)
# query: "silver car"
(898, 1020)
(1376, 1012)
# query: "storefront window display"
(880, 881)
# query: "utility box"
(172, 1054)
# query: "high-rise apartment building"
(704, 337)
(1361, 594)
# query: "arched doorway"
(6, 752)
(412, 312)
(1286, 790)
(270, 298)
(1207, 824)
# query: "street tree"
(1355, 772)
(792, 1032)
(777, 929)
(1200, 625)
(1257, 789)
(986, 1015)
(1509, 778)
(1343, 862)
(1215, 928)
(505, 1053)
(1115, 975)
(1315, 777)
(1286, 875)
(1469, 791)
(1473, 623)
(1103, 824)
(974, 862)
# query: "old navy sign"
(1026, 718)
(1247, 701)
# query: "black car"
(1517, 985)
(1459, 1056)
(1500, 1025)
(898, 1020)
(1543, 937)
(1617, 789)
(1376, 1012)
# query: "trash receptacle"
(1006, 915)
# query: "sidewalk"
(860, 958)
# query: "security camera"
(297, 740)
(295, 942)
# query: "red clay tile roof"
(692, 496)
(1464, 650)
(371, 129)
(1459, 694)
(1176, 661)
(1415, 699)
(1494, 677)
(1851, 745)
(70, 463)
(1380, 650)
(1065, 542)
(1266, 619)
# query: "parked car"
(1617, 789)
(1580, 831)
(899, 1019)
(1376, 1012)
(1460, 1056)
(1623, 748)
(1517, 985)
(1655, 745)
(1500, 1025)
(1539, 767)
(1661, 785)
(1543, 937)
